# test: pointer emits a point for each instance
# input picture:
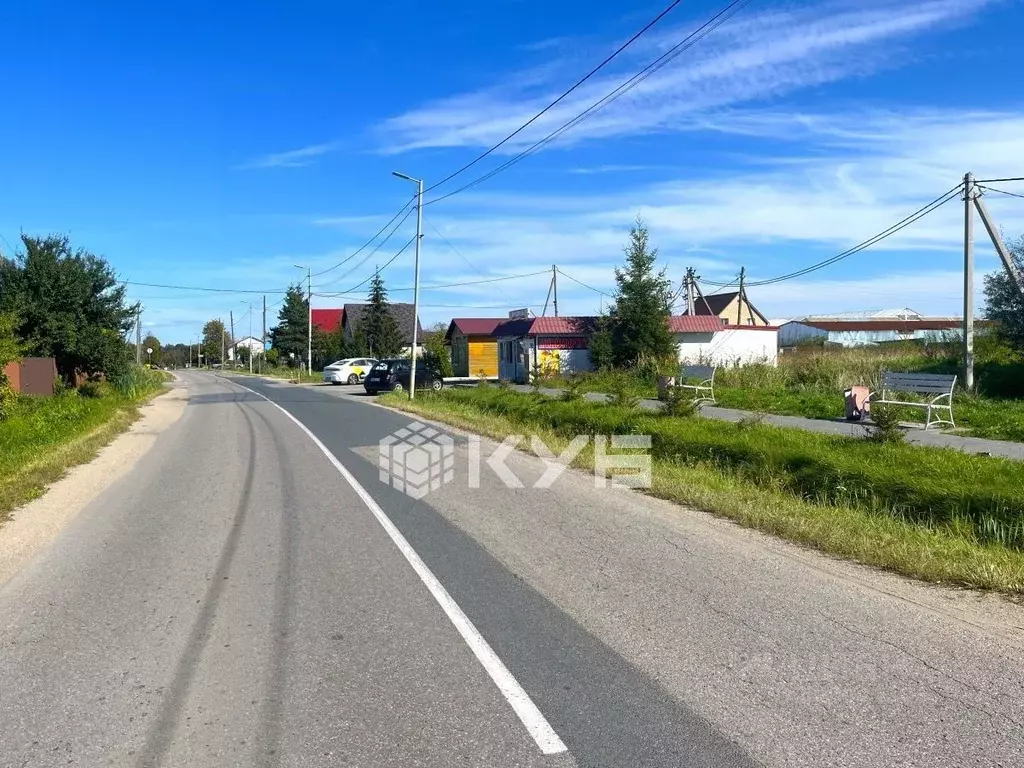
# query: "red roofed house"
(561, 344)
(474, 346)
(710, 340)
(556, 344)
(327, 320)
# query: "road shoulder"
(33, 526)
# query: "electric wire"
(682, 46)
(462, 256)
(576, 85)
(920, 213)
(367, 257)
(1001, 191)
(380, 231)
(580, 282)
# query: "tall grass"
(926, 513)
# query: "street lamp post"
(309, 319)
(416, 277)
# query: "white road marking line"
(537, 725)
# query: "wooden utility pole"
(554, 284)
(968, 283)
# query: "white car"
(352, 370)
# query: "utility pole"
(739, 297)
(309, 318)
(190, 354)
(691, 306)
(968, 283)
(234, 344)
(554, 284)
(263, 338)
(138, 336)
(250, 337)
(997, 241)
(416, 278)
(223, 343)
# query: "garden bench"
(935, 387)
(703, 377)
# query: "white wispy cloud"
(294, 158)
(751, 59)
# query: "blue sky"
(219, 144)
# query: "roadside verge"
(97, 459)
(809, 489)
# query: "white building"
(858, 329)
(707, 340)
(254, 345)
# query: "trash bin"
(857, 404)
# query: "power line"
(595, 290)
(199, 288)
(473, 282)
(682, 46)
(375, 272)
(367, 257)
(463, 257)
(920, 213)
(365, 245)
(576, 85)
(986, 181)
(1002, 192)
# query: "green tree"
(69, 305)
(602, 352)
(10, 351)
(1004, 304)
(326, 347)
(436, 354)
(290, 335)
(151, 342)
(378, 326)
(215, 338)
(643, 304)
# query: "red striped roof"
(476, 326)
(695, 324)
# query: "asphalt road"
(237, 600)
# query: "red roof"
(695, 324)
(328, 320)
(475, 326)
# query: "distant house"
(404, 315)
(706, 339)
(474, 345)
(730, 308)
(254, 345)
(865, 329)
(327, 320)
(554, 344)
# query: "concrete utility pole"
(997, 241)
(691, 307)
(739, 297)
(969, 193)
(249, 344)
(234, 344)
(416, 277)
(223, 343)
(138, 336)
(263, 338)
(554, 284)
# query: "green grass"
(43, 437)
(929, 513)
(810, 383)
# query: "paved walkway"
(917, 436)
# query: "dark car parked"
(394, 375)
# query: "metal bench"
(703, 377)
(937, 386)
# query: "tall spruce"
(638, 321)
(291, 334)
(378, 326)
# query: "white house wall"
(729, 347)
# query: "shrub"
(679, 404)
(573, 391)
(623, 397)
(91, 389)
(887, 425)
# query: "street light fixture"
(416, 277)
(309, 319)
